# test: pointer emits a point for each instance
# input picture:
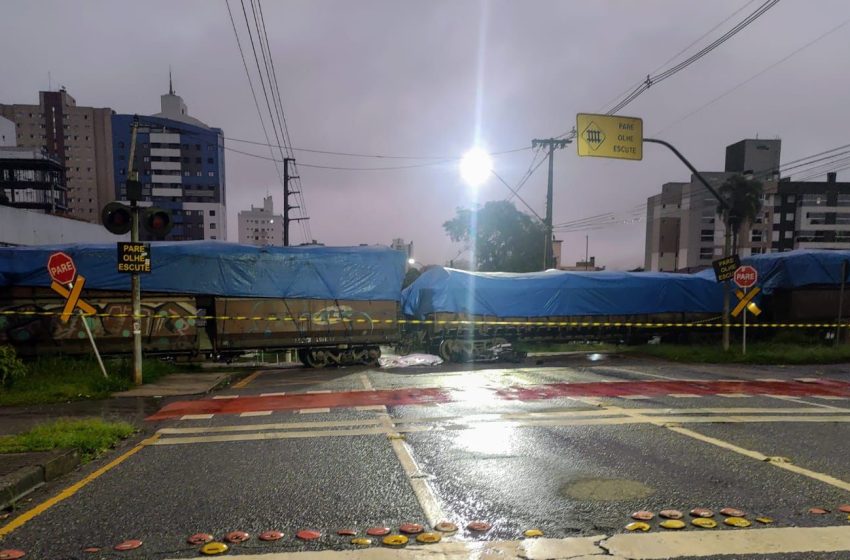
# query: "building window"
(146, 159)
(186, 173)
(789, 234)
(212, 236)
(198, 174)
(209, 160)
(120, 144)
(212, 212)
(791, 199)
(122, 171)
(212, 225)
(789, 217)
(706, 235)
(756, 251)
(211, 173)
(210, 147)
(756, 235)
(705, 253)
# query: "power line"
(754, 76)
(339, 168)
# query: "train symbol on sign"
(593, 135)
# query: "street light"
(411, 261)
(475, 167)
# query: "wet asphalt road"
(568, 465)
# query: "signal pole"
(551, 143)
(286, 205)
(135, 284)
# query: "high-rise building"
(7, 133)
(180, 163)
(260, 225)
(79, 138)
(685, 233)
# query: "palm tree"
(744, 197)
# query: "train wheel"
(316, 358)
(446, 350)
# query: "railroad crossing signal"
(747, 302)
(63, 272)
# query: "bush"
(11, 367)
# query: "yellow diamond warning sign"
(609, 136)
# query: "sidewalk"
(21, 473)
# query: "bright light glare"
(475, 167)
(411, 261)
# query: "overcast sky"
(419, 78)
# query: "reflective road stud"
(479, 526)
(361, 541)
(445, 527)
(818, 511)
(643, 515)
(429, 538)
(11, 554)
(845, 508)
(308, 535)
(764, 520)
(378, 531)
(673, 524)
(671, 514)
(411, 528)
(533, 533)
(638, 526)
(213, 548)
(702, 512)
(237, 537)
(732, 512)
(704, 523)
(737, 522)
(92, 549)
(271, 536)
(346, 532)
(395, 540)
(128, 545)
(199, 538)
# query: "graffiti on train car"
(158, 324)
(337, 314)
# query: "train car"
(335, 305)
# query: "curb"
(26, 479)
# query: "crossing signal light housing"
(157, 222)
(117, 218)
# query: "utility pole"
(551, 143)
(586, 251)
(135, 284)
(286, 205)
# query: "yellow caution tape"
(443, 322)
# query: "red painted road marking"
(394, 397)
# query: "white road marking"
(222, 438)
(270, 426)
(196, 416)
(371, 407)
(256, 413)
(771, 380)
(733, 395)
(364, 379)
(636, 372)
(684, 396)
(280, 394)
(807, 379)
(217, 397)
(817, 405)
(317, 392)
(829, 397)
(312, 410)
(633, 397)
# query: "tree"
(502, 238)
(744, 196)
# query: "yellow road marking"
(73, 489)
(242, 383)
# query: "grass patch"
(768, 353)
(89, 437)
(60, 379)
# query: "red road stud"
(11, 554)
(132, 544)
(237, 537)
(378, 531)
(445, 527)
(845, 508)
(479, 526)
(670, 514)
(702, 512)
(91, 549)
(308, 535)
(200, 538)
(732, 512)
(643, 515)
(818, 511)
(411, 528)
(346, 532)
(271, 536)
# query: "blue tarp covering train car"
(225, 269)
(558, 293)
(795, 269)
